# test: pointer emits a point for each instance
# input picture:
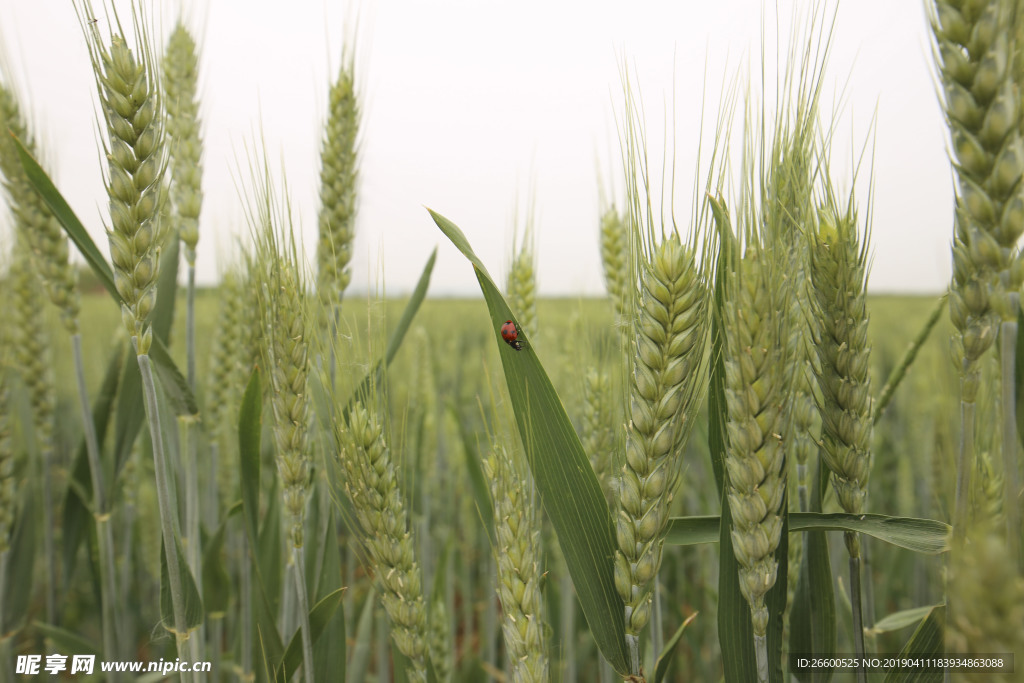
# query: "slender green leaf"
(250, 426)
(478, 482)
(329, 650)
(693, 530)
(63, 213)
(813, 617)
(900, 371)
(193, 603)
(19, 572)
(216, 580)
(400, 664)
(166, 291)
(669, 652)
(250, 415)
(397, 335)
(776, 601)
(77, 512)
(926, 536)
(68, 641)
(927, 641)
(319, 617)
(270, 555)
(1018, 376)
(717, 413)
(130, 411)
(324, 402)
(360, 659)
(174, 384)
(902, 619)
(566, 483)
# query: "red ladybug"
(510, 333)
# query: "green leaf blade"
(566, 483)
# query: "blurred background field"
(448, 371)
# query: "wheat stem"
(965, 454)
(112, 627)
(855, 600)
(1011, 469)
(900, 371)
(167, 506)
(299, 559)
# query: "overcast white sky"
(469, 105)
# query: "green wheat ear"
(985, 601)
(181, 75)
(615, 257)
(522, 283)
(339, 176)
(283, 310)
(518, 554)
(46, 240)
(371, 481)
(983, 107)
(755, 391)
(839, 275)
(670, 332)
(7, 502)
(132, 108)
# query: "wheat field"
(735, 465)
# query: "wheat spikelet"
(839, 274)
(975, 54)
(32, 348)
(181, 74)
(985, 603)
(441, 645)
(615, 257)
(47, 242)
(227, 368)
(371, 481)
(518, 553)
(755, 368)
(7, 502)
(127, 81)
(988, 494)
(338, 179)
(521, 287)
(668, 379)
(284, 314)
(598, 435)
